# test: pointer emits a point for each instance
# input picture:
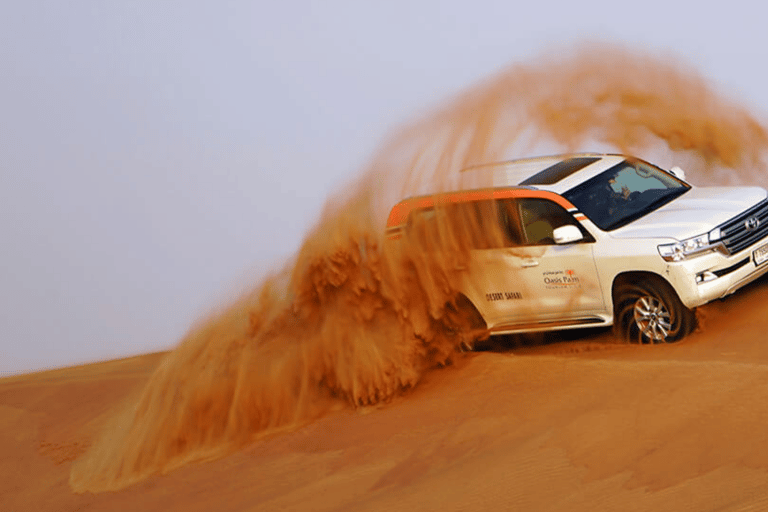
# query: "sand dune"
(567, 425)
(336, 384)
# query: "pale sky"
(156, 157)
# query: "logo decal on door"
(561, 279)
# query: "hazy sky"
(155, 157)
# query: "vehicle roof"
(545, 176)
(400, 212)
(517, 172)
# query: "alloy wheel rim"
(652, 319)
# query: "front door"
(533, 280)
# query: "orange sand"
(322, 388)
(576, 425)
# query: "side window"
(483, 224)
(540, 217)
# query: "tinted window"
(539, 219)
(486, 224)
(625, 192)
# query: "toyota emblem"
(751, 223)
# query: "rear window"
(559, 171)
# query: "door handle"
(530, 263)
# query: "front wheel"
(649, 311)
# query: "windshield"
(625, 192)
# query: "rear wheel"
(649, 311)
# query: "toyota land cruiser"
(601, 239)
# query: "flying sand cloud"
(353, 320)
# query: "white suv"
(597, 239)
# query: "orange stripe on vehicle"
(403, 209)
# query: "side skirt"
(552, 325)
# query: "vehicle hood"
(696, 212)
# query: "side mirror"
(677, 172)
(567, 234)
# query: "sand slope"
(580, 425)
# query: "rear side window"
(540, 217)
(485, 224)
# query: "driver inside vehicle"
(625, 192)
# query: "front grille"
(735, 234)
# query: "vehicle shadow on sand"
(574, 340)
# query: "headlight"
(691, 246)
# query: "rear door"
(494, 280)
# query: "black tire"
(648, 310)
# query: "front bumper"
(724, 275)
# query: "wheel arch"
(681, 322)
(636, 276)
(462, 302)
